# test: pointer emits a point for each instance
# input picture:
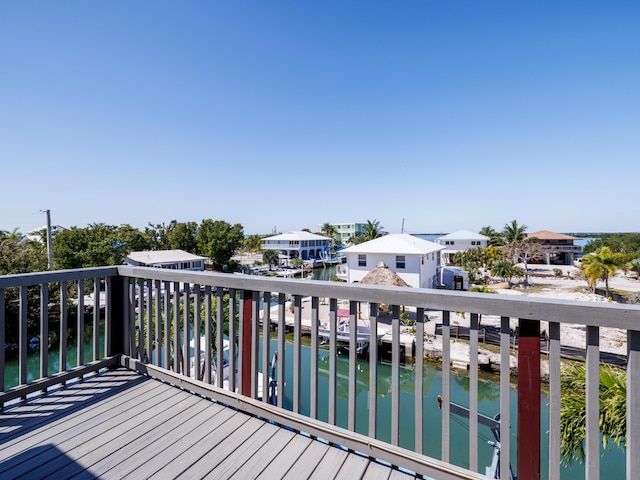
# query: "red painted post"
(529, 400)
(245, 348)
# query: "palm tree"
(270, 257)
(506, 270)
(328, 230)
(613, 399)
(494, 237)
(513, 233)
(372, 230)
(600, 265)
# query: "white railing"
(151, 315)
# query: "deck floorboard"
(120, 424)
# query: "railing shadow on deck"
(173, 324)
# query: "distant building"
(345, 231)
(460, 241)
(299, 244)
(172, 259)
(560, 249)
(413, 259)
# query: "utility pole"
(402, 229)
(49, 246)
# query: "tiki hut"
(383, 275)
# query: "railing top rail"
(601, 314)
(26, 279)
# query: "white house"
(299, 244)
(415, 260)
(173, 259)
(460, 241)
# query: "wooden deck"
(121, 424)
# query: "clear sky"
(288, 114)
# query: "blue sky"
(288, 114)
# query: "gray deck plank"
(354, 466)
(257, 462)
(205, 457)
(232, 463)
(176, 456)
(331, 464)
(307, 464)
(375, 471)
(101, 447)
(145, 448)
(286, 458)
(120, 424)
(64, 425)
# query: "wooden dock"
(121, 424)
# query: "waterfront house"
(415, 260)
(172, 259)
(299, 244)
(459, 241)
(560, 248)
(346, 231)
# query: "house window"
(362, 260)
(400, 261)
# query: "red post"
(529, 399)
(245, 348)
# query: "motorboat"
(343, 335)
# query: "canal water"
(612, 462)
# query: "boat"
(343, 335)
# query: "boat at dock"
(343, 335)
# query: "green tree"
(600, 265)
(506, 270)
(219, 240)
(513, 233)
(494, 236)
(471, 260)
(328, 230)
(613, 397)
(634, 266)
(253, 243)
(93, 246)
(158, 235)
(270, 257)
(371, 231)
(183, 237)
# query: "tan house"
(560, 248)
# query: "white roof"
(464, 235)
(163, 256)
(397, 243)
(297, 235)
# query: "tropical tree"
(270, 257)
(328, 230)
(634, 266)
(494, 236)
(219, 241)
(158, 235)
(471, 260)
(371, 230)
(600, 265)
(513, 233)
(506, 270)
(93, 246)
(613, 396)
(253, 243)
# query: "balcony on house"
(130, 379)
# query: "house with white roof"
(173, 259)
(299, 244)
(415, 260)
(460, 241)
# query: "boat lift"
(493, 471)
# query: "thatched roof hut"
(383, 275)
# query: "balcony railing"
(153, 320)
